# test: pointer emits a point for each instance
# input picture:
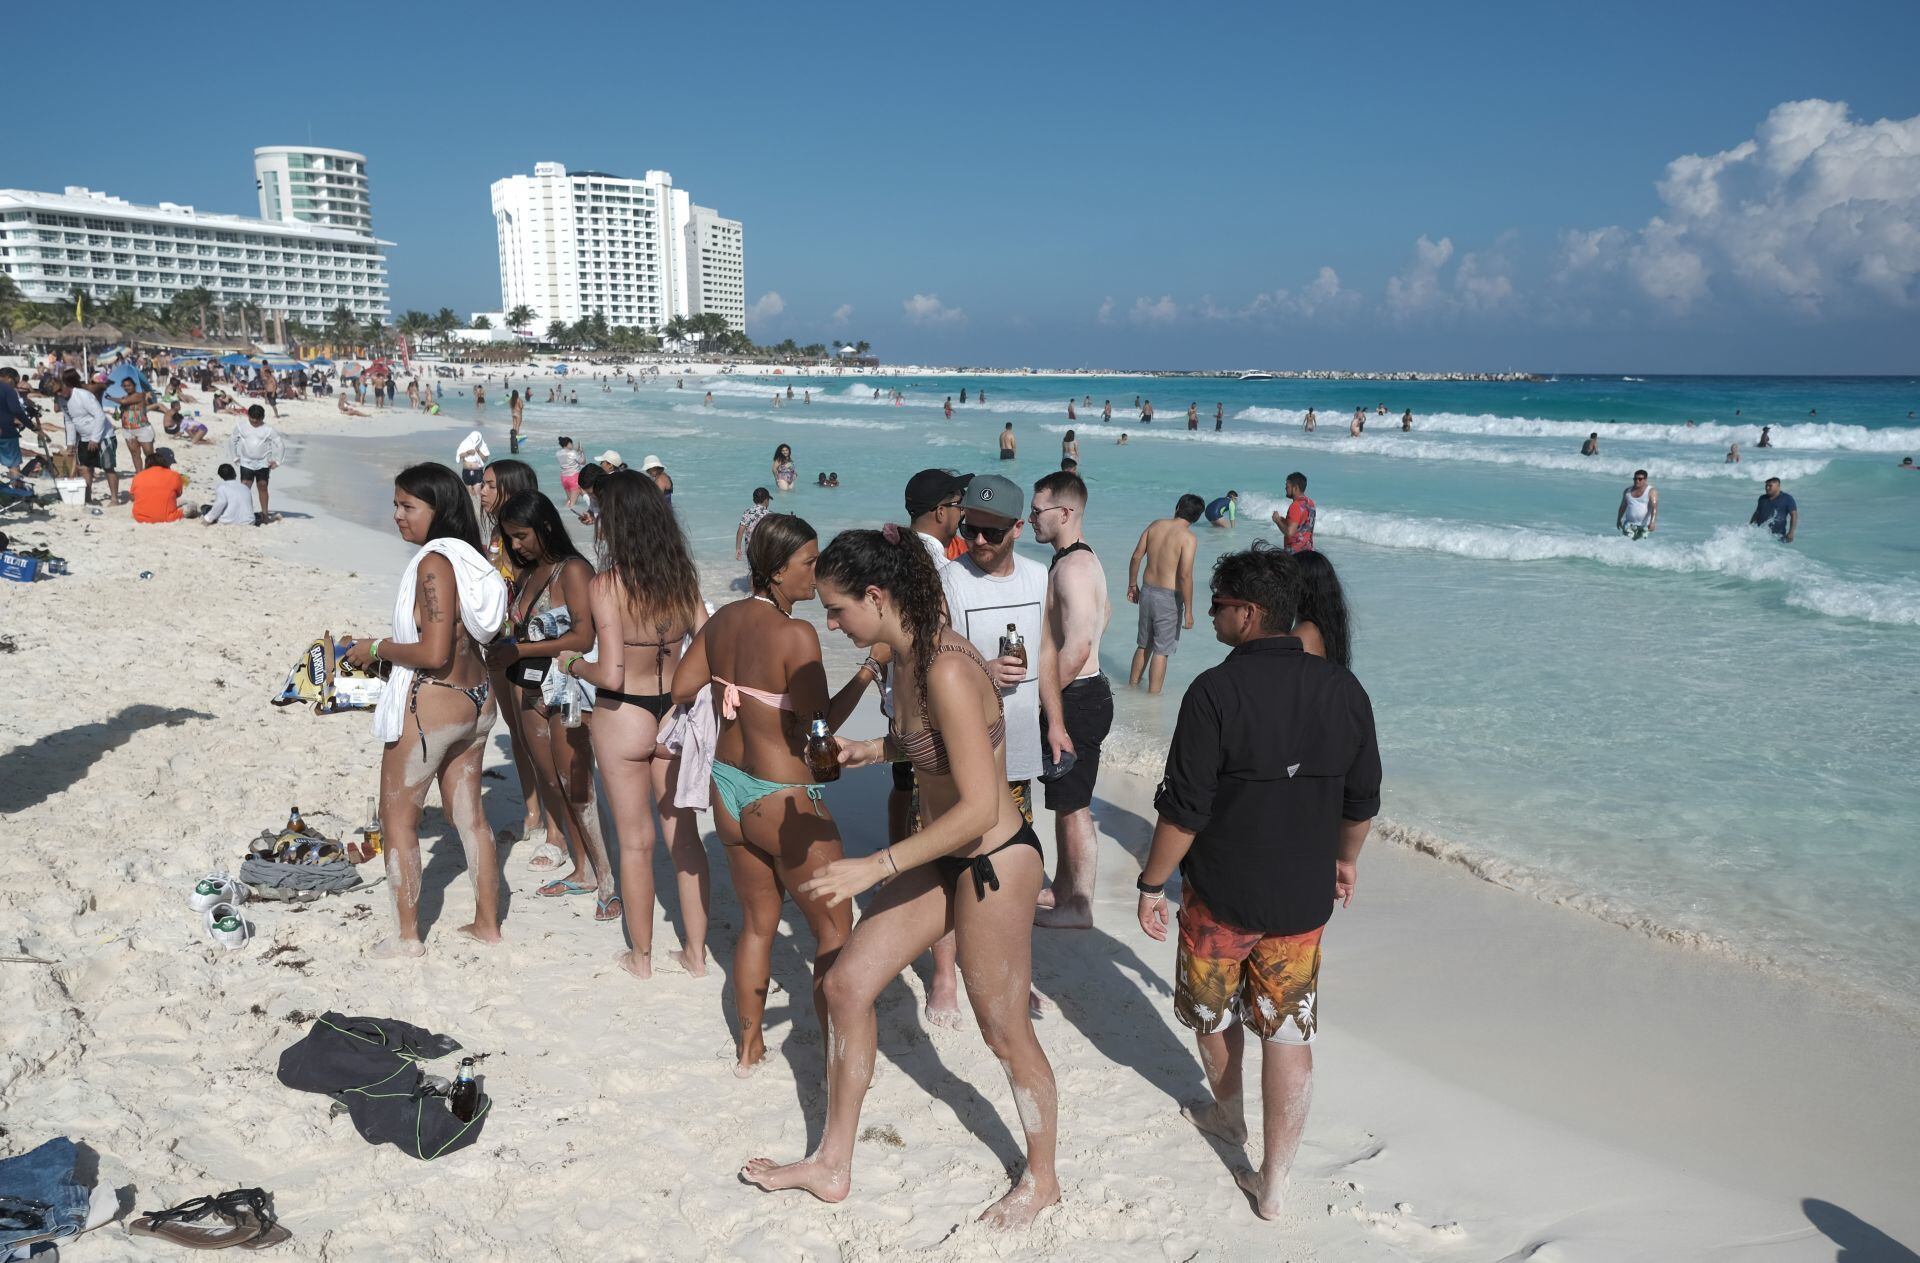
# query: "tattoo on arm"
(431, 594)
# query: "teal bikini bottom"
(740, 790)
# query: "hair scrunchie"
(891, 533)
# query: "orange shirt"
(155, 491)
(956, 548)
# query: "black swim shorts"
(1087, 707)
(255, 475)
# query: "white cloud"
(1816, 212)
(1323, 296)
(1416, 291)
(1148, 311)
(766, 307)
(843, 313)
(927, 309)
(1105, 314)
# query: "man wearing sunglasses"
(1272, 782)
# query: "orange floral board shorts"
(1268, 981)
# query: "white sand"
(1498, 1079)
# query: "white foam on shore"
(1813, 436)
(795, 413)
(1746, 553)
(1407, 447)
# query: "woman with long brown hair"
(644, 602)
(500, 482)
(974, 866)
(764, 668)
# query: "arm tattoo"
(432, 595)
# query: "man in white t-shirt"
(987, 588)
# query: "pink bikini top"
(731, 693)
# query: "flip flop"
(601, 908)
(245, 1218)
(556, 889)
(547, 856)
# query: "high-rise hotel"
(312, 251)
(638, 252)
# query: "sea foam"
(1816, 436)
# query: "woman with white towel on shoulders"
(438, 704)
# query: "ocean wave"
(1408, 447)
(1812, 436)
(1746, 553)
(794, 414)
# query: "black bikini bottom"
(981, 866)
(656, 704)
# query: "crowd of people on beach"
(988, 671)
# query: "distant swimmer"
(1163, 589)
(1406, 421)
(980, 395)
(1906, 462)
(1357, 426)
(1146, 413)
(789, 390)
(1007, 442)
(1219, 416)
(1310, 422)
(709, 399)
(1777, 511)
(1193, 416)
(1381, 410)
(1592, 446)
(1689, 423)
(1225, 511)
(1296, 524)
(1069, 446)
(806, 396)
(963, 394)
(1766, 436)
(948, 407)
(1733, 453)
(1071, 415)
(1106, 412)
(1639, 508)
(1122, 440)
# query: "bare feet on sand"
(639, 964)
(748, 1057)
(398, 948)
(1216, 1122)
(1267, 1202)
(1074, 914)
(1022, 1204)
(693, 964)
(947, 1018)
(816, 1177)
(480, 934)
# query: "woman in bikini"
(644, 602)
(764, 668)
(783, 472)
(500, 482)
(973, 868)
(552, 583)
(438, 704)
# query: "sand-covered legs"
(441, 737)
(1286, 1093)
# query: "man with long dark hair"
(1272, 781)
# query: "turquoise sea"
(1705, 735)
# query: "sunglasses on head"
(992, 534)
(1226, 602)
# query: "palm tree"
(556, 331)
(341, 325)
(861, 348)
(445, 322)
(249, 311)
(521, 317)
(481, 322)
(676, 329)
(374, 331)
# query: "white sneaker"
(216, 888)
(227, 926)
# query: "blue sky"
(1419, 186)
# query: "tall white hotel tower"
(638, 252)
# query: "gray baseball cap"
(996, 496)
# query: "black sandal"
(249, 1222)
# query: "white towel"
(483, 608)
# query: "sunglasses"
(992, 534)
(1034, 515)
(1226, 602)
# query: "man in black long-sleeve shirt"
(1273, 779)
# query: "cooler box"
(18, 568)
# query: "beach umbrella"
(283, 363)
(560, 368)
(234, 359)
(41, 332)
(104, 333)
(319, 361)
(350, 369)
(72, 331)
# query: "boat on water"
(1256, 376)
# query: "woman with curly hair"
(783, 471)
(764, 668)
(974, 866)
(643, 604)
(500, 482)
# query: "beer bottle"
(464, 1098)
(294, 823)
(1012, 645)
(822, 756)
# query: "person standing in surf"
(1639, 511)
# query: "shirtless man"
(1358, 425)
(1076, 701)
(1639, 508)
(1164, 591)
(1007, 442)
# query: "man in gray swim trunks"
(1164, 590)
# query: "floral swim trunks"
(1269, 981)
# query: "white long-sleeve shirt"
(232, 506)
(86, 417)
(255, 446)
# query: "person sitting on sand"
(155, 490)
(348, 409)
(763, 668)
(1265, 854)
(643, 604)
(232, 503)
(437, 705)
(973, 864)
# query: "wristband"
(870, 665)
(567, 663)
(1140, 884)
(373, 651)
(888, 852)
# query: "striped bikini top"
(926, 749)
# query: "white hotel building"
(54, 243)
(638, 252)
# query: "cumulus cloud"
(1323, 296)
(1416, 290)
(1817, 212)
(843, 313)
(927, 309)
(1105, 314)
(766, 307)
(1152, 311)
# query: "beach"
(1499, 1076)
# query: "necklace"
(775, 604)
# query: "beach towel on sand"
(372, 1065)
(483, 608)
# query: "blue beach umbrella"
(234, 359)
(560, 368)
(319, 361)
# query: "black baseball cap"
(926, 489)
